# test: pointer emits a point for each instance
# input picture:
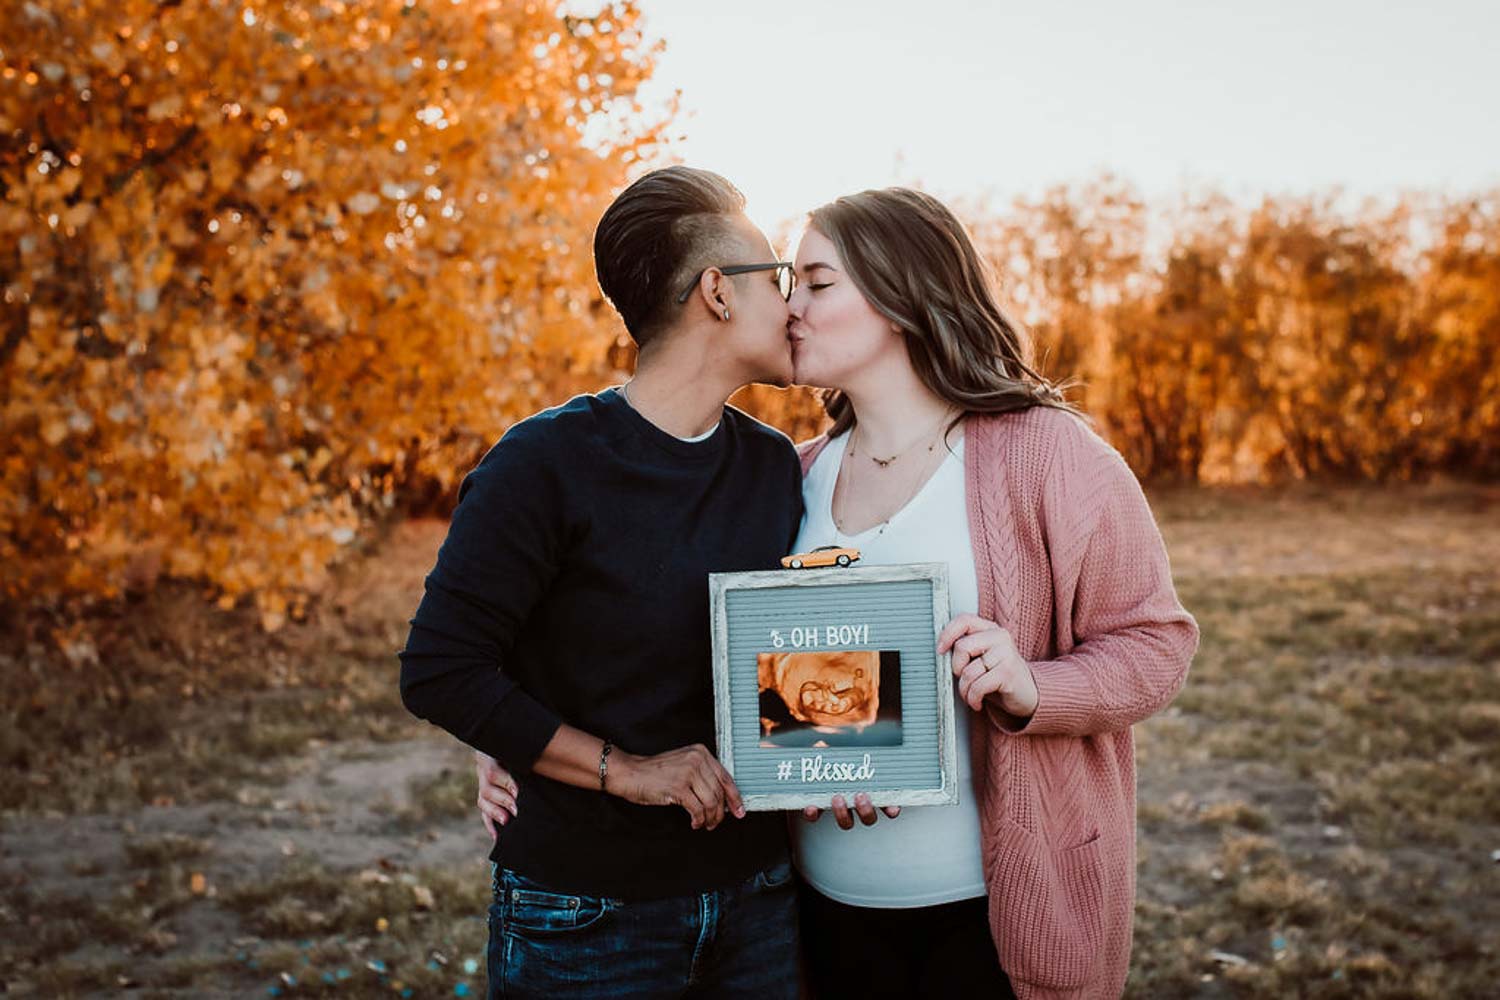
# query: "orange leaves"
(237, 254)
(1293, 339)
(223, 169)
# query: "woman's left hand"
(497, 793)
(863, 807)
(986, 663)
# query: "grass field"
(196, 809)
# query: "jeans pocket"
(778, 876)
(546, 943)
(532, 908)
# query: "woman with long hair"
(948, 445)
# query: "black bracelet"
(604, 762)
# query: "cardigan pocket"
(1047, 908)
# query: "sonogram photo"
(840, 698)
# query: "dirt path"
(342, 806)
(347, 810)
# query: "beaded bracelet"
(604, 763)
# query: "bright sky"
(798, 101)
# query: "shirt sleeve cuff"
(1065, 702)
(518, 731)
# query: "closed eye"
(818, 287)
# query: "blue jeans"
(734, 942)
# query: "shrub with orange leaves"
(1298, 338)
(1213, 343)
(264, 262)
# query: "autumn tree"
(1458, 307)
(1298, 338)
(265, 263)
(1301, 337)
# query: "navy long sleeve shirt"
(573, 587)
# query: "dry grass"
(305, 900)
(1319, 807)
(1317, 810)
(185, 703)
(447, 795)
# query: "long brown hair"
(918, 267)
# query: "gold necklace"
(916, 487)
(885, 463)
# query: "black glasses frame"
(787, 279)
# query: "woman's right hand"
(497, 793)
(690, 777)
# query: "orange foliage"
(1295, 339)
(797, 411)
(268, 269)
(1216, 344)
(265, 263)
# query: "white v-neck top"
(927, 855)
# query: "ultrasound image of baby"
(833, 698)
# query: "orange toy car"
(823, 555)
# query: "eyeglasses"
(786, 277)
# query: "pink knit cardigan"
(1070, 561)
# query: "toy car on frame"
(823, 555)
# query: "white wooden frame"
(720, 584)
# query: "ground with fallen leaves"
(190, 808)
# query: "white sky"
(798, 102)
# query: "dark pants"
(928, 951)
(734, 942)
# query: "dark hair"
(918, 267)
(661, 230)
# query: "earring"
(726, 313)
